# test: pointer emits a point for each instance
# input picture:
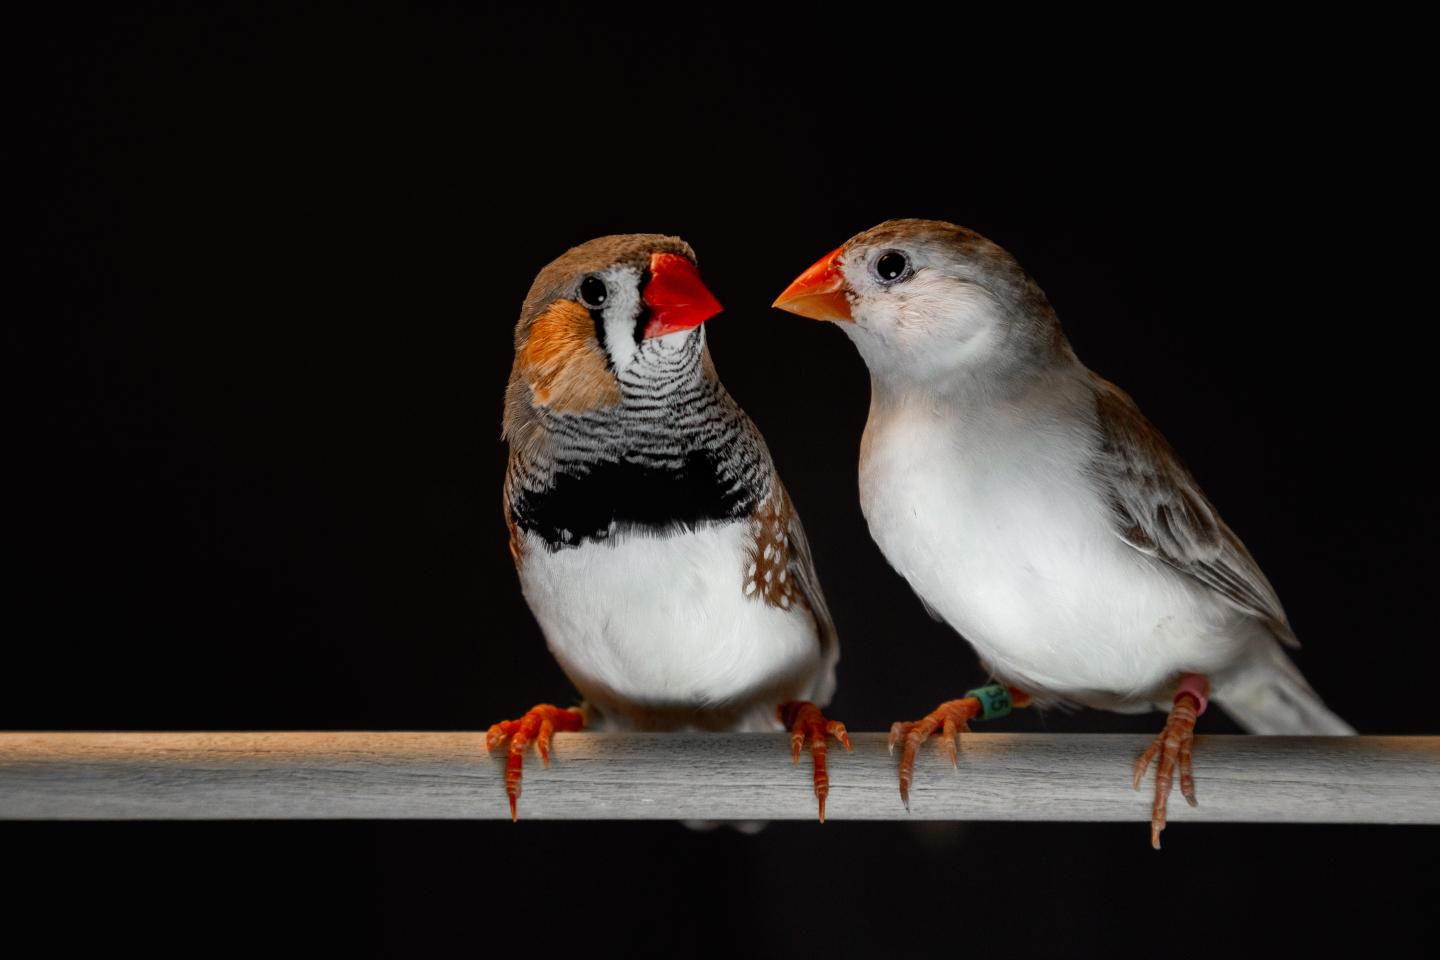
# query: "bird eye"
(892, 266)
(593, 292)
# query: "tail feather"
(1270, 696)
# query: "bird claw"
(950, 718)
(1173, 746)
(538, 724)
(807, 722)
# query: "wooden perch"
(626, 776)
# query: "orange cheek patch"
(563, 363)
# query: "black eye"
(892, 265)
(593, 292)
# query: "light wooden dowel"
(617, 776)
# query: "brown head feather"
(557, 279)
(559, 363)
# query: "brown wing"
(807, 581)
(515, 538)
(1161, 511)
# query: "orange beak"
(818, 293)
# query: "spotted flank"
(767, 568)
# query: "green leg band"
(994, 700)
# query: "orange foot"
(950, 718)
(1173, 744)
(807, 722)
(538, 724)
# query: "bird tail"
(1270, 696)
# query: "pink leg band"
(1196, 686)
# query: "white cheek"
(928, 328)
(950, 321)
(620, 315)
(620, 338)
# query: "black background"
(280, 253)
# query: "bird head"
(608, 306)
(925, 300)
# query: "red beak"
(818, 293)
(676, 297)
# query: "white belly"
(1001, 534)
(663, 622)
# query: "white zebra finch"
(1034, 509)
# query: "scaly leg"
(805, 721)
(538, 724)
(1173, 745)
(950, 718)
